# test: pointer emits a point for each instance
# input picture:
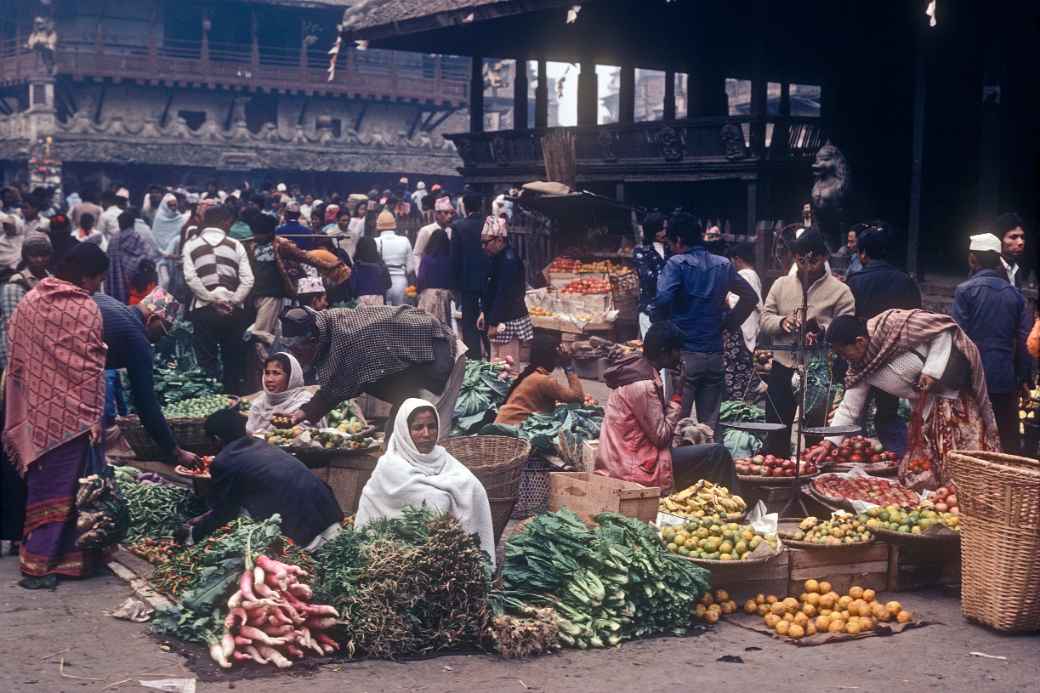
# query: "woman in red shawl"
(925, 358)
(55, 397)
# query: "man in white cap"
(443, 215)
(419, 194)
(115, 204)
(993, 314)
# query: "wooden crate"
(588, 494)
(917, 566)
(864, 566)
(745, 580)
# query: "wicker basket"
(498, 462)
(534, 490)
(999, 499)
(190, 434)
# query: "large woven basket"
(190, 434)
(999, 498)
(497, 461)
(534, 489)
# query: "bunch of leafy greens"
(408, 586)
(741, 444)
(577, 421)
(608, 584)
(484, 389)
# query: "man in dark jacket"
(472, 266)
(1013, 247)
(250, 475)
(878, 287)
(993, 314)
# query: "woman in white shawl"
(166, 231)
(416, 472)
(283, 392)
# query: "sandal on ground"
(47, 582)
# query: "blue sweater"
(369, 279)
(128, 347)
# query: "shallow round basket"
(774, 480)
(811, 546)
(942, 537)
(315, 457)
(708, 562)
(190, 434)
(999, 497)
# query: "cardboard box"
(589, 494)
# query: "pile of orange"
(820, 609)
(712, 606)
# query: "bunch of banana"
(703, 499)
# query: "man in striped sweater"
(217, 270)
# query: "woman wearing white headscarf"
(166, 231)
(416, 472)
(283, 392)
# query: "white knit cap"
(310, 285)
(985, 242)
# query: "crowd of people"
(307, 303)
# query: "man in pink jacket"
(635, 441)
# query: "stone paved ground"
(100, 653)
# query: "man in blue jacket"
(691, 290)
(993, 314)
(472, 267)
(877, 287)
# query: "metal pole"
(917, 160)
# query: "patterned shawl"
(896, 331)
(360, 347)
(55, 370)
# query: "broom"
(560, 159)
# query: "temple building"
(729, 107)
(189, 91)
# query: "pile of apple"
(944, 499)
(860, 450)
(771, 465)
(867, 488)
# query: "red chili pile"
(866, 488)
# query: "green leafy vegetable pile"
(410, 586)
(735, 410)
(578, 422)
(612, 583)
(484, 389)
(156, 509)
(174, 384)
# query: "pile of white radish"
(270, 620)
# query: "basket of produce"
(704, 499)
(999, 498)
(316, 447)
(709, 541)
(769, 469)
(498, 462)
(187, 420)
(843, 489)
(859, 450)
(840, 531)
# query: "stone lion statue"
(831, 187)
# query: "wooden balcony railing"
(372, 74)
(716, 140)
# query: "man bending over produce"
(250, 476)
(391, 353)
(635, 441)
(129, 332)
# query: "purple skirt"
(49, 543)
